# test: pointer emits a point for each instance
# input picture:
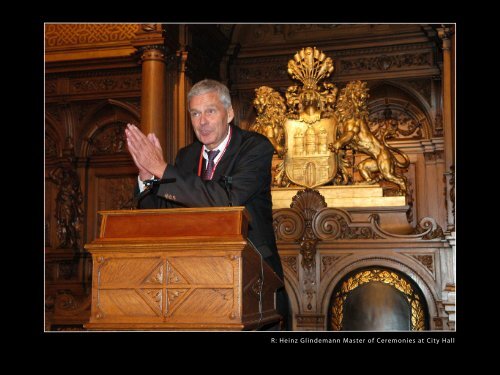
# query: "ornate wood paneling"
(65, 35)
(113, 192)
(83, 135)
(94, 84)
(416, 60)
(93, 88)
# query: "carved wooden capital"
(154, 52)
(445, 34)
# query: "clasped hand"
(146, 152)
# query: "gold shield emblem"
(308, 161)
(311, 125)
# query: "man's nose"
(203, 119)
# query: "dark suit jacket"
(247, 161)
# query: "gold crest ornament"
(311, 124)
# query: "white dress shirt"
(220, 147)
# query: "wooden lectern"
(179, 269)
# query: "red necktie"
(207, 174)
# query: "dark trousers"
(283, 309)
(282, 304)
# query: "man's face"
(210, 119)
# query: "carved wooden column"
(153, 93)
(446, 34)
(183, 136)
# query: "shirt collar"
(220, 147)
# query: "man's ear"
(230, 114)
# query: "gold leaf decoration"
(383, 276)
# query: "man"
(225, 166)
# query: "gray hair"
(209, 85)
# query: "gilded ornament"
(354, 132)
(311, 125)
(312, 129)
(383, 276)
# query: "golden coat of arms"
(311, 125)
(312, 130)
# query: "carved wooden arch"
(52, 134)
(106, 113)
(411, 102)
(399, 281)
(349, 264)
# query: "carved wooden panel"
(398, 58)
(50, 220)
(426, 260)
(188, 281)
(94, 84)
(50, 147)
(109, 189)
(149, 289)
(129, 82)
(290, 263)
(65, 35)
(109, 139)
(278, 35)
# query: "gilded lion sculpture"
(352, 114)
(271, 114)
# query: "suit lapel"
(233, 147)
(192, 157)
